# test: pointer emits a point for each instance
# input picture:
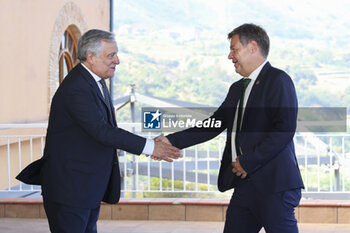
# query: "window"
(68, 54)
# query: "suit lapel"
(114, 122)
(257, 85)
(89, 79)
(252, 107)
(236, 95)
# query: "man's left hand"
(238, 169)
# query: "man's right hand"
(165, 151)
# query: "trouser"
(250, 210)
(68, 219)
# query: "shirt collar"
(256, 72)
(97, 79)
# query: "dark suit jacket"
(266, 137)
(81, 142)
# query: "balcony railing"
(324, 162)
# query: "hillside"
(178, 48)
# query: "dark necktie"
(106, 93)
(108, 102)
(246, 82)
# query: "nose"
(230, 55)
(116, 60)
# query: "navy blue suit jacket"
(266, 136)
(81, 142)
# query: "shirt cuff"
(149, 147)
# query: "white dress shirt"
(149, 145)
(253, 77)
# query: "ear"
(253, 47)
(89, 58)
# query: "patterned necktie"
(246, 82)
(108, 102)
(106, 93)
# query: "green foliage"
(323, 177)
(179, 185)
(178, 49)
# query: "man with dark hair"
(82, 138)
(259, 162)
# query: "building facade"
(38, 47)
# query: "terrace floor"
(19, 225)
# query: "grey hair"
(249, 32)
(90, 41)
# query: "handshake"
(164, 150)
